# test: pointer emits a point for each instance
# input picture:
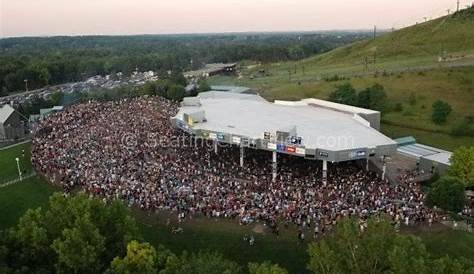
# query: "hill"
(446, 36)
(407, 65)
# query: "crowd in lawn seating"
(110, 150)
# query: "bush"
(448, 194)
(373, 97)
(175, 93)
(441, 111)
(344, 94)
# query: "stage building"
(310, 128)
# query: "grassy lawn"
(8, 165)
(16, 199)
(452, 243)
(226, 237)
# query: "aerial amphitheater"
(231, 155)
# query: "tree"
(266, 268)
(140, 258)
(178, 78)
(175, 93)
(74, 234)
(349, 250)
(373, 97)
(448, 194)
(80, 248)
(408, 255)
(462, 165)
(149, 88)
(344, 94)
(441, 111)
(377, 249)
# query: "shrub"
(448, 194)
(373, 97)
(441, 111)
(344, 94)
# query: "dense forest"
(55, 60)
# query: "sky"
(114, 17)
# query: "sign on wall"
(236, 140)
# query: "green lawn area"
(452, 243)
(226, 237)
(16, 199)
(8, 164)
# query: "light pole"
(18, 166)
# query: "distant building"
(12, 127)
(211, 70)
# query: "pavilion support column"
(367, 164)
(384, 168)
(325, 170)
(215, 146)
(274, 166)
(242, 152)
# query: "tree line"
(78, 234)
(57, 60)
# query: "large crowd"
(109, 149)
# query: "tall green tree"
(80, 248)
(140, 258)
(462, 165)
(377, 249)
(448, 193)
(73, 234)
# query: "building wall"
(373, 118)
(12, 128)
(427, 165)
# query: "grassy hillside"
(407, 66)
(449, 35)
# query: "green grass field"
(16, 199)
(9, 169)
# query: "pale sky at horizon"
(114, 17)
